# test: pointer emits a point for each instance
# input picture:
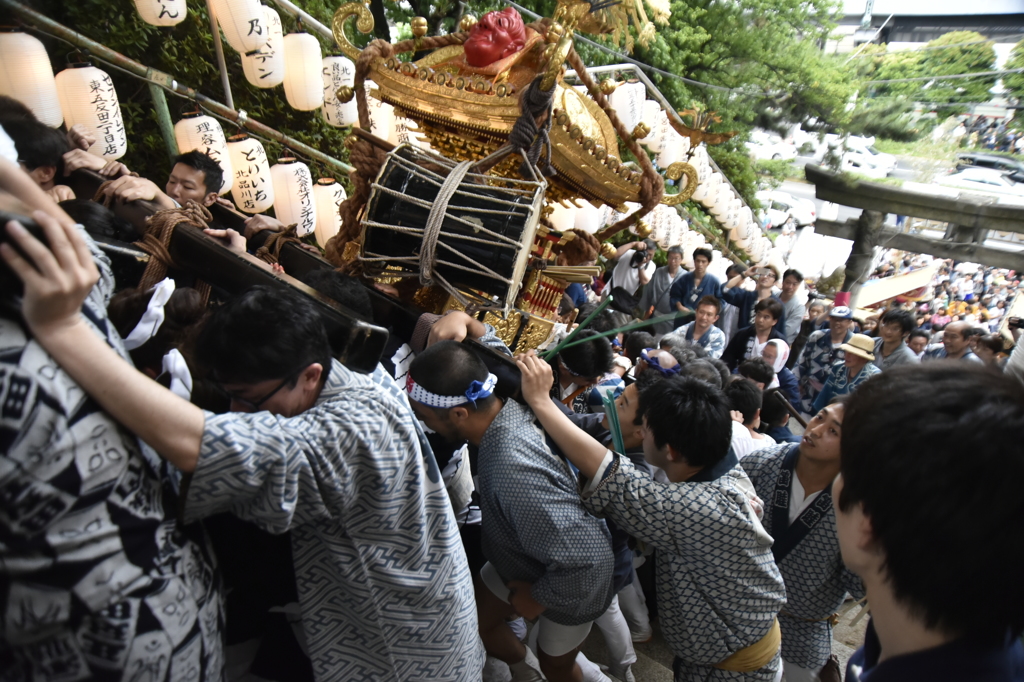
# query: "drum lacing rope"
(435, 220)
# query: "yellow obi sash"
(757, 655)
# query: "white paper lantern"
(303, 72)
(382, 114)
(293, 195)
(328, 196)
(26, 75)
(339, 71)
(403, 131)
(161, 12)
(563, 217)
(649, 115)
(198, 132)
(88, 98)
(627, 102)
(252, 188)
(588, 218)
(264, 67)
(243, 23)
(671, 148)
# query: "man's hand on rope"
(260, 222)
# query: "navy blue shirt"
(962, 660)
(578, 295)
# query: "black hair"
(722, 367)
(734, 270)
(702, 369)
(793, 272)
(263, 333)
(744, 397)
(448, 368)
(100, 221)
(344, 289)
(933, 454)
(920, 333)
(38, 144)
(690, 415)
(604, 322)
(644, 381)
(904, 318)
(588, 360)
(773, 410)
(565, 306)
(710, 300)
(757, 369)
(684, 354)
(701, 251)
(772, 305)
(652, 245)
(183, 313)
(213, 174)
(14, 110)
(635, 343)
(972, 331)
(994, 342)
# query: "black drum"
(485, 234)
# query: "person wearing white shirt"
(635, 266)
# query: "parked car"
(1014, 167)
(762, 145)
(983, 181)
(878, 159)
(859, 162)
(783, 207)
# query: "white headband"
(476, 391)
(151, 320)
(181, 378)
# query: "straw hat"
(862, 345)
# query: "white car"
(876, 158)
(857, 162)
(763, 146)
(781, 206)
(983, 181)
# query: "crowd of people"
(193, 493)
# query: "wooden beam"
(972, 253)
(974, 213)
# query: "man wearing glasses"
(745, 300)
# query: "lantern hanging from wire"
(337, 72)
(328, 195)
(303, 72)
(162, 12)
(264, 67)
(26, 75)
(198, 132)
(649, 115)
(242, 22)
(293, 195)
(252, 188)
(628, 102)
(88, 98)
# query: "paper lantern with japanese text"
(242, 22)
(252, 189)
(339, 71)
(161, 12)
(199, 132)
(303, 72)
(628, 102)
(328, 195)
(88, 98)
(382, 114)
(294, 203)
(264, 67)
(649, 114)
(26, 75)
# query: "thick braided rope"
(270, 252)
(435, 220)
(158, 238)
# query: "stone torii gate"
(970, 221)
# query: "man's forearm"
(581, 449)
(170, 425)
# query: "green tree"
(1014, 82)
(956, 53)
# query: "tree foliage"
(1014, 82)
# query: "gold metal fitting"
(344, 94)
(575, 132)
(424, 73)
(613, 163)
(467, 23)
(555, 32)
(599, 152)
(350, 141)
(608, 251)
(419, 26)
(393, 64)
(562, 118)
(408, 69)
(441, 78)
(642, 229)
(608, 86)
(460, 83)
(588, 143)
(641, 130)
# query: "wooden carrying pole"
(50, 27)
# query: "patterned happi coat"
(97, 579)
(718, 587)
(385, 590)
(812, 369)
(534, 526)
(816, 578)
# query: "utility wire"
(939, 78)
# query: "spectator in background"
(956, 344)
(656, 299)
(918, 342)
(906, 438)
(816, 310)
(750, 342)
(824, 347)
(634, 267)
(745, 399)
(775, 417)
(776, 353)
(194, 177)
(41, 154)
(794, 310)
(746, 301)
(988, 349)
(693, 286)
(890, 346)
(757, 370)
(728, 319)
